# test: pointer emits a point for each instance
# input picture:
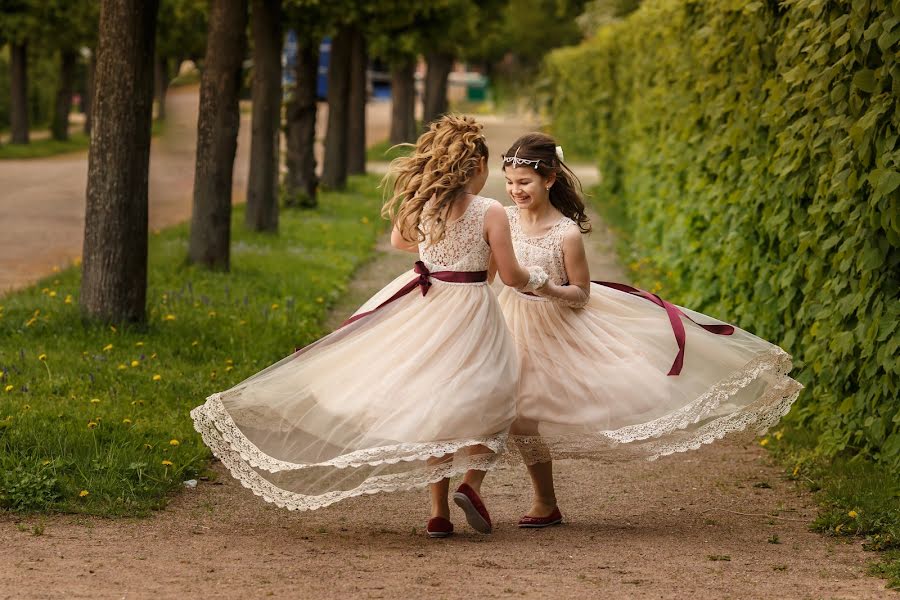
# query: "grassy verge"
(857, 499)
(45, 147)
(385, 151)
(94, 419)
(42, 148)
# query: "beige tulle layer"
(594, 381)
(421, 390)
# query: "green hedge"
(754, 147)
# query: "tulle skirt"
(422, 389)
(594, 381)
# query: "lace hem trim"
(212, 419)
(762, 413)
(268, 491)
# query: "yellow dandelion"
(838, 528)
(211, 313)
(320, 299)
(195, 343)
(153, 355)
(126, 421)
(228, 368)
(852, 514)
(92, 425)
(779, 434)
(95, 400)
(796, 470)
(764, 442)
(136, 402)
(229, 361)
(275, 307)
(212, 375)
(148, 447)
(242, 322)
(138, 344)
(157, 377)
(45, 462)
(77, 261)
(174, 442)
(55, 269)
(30, 322)
(9, 388)
(68, 299)
(167, 463)
(364, 220)
(52, 294)
(122, 366)
(113, 329)
(107, 347)
(196, 305)
(42, 357)
(26, 407)
(45, 291)
(135, 363)
(36, 312)
(169, 318)
(83, 493)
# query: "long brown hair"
(424, 185)
(566, 195)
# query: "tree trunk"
(217, 130)
(88, 97)
(161, 84)
(334, 171)
(114, 278)
(18, 102)
(59, 128)
(356, 119)
(301, 182)
(262, 183)
(439, 66)
(403, 103)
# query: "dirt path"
(42, 200)
(667, 529)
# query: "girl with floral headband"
(419, 384)
(608, 371)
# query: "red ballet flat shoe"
(438, 527)
(476, 514)
(554, 518)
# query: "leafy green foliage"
(95, 418)
(754, 148)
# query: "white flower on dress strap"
(559, 154)
(537, 278)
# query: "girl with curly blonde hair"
(419, 384)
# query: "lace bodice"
(544, 251)
(463, 247)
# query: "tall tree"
(114, 280)
(440, 63)
(262, 183)
(217, 130)
(403, 101)
(18, 102)
(334, 172)
(356, 105)
(300, 182)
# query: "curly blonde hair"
(424, 185)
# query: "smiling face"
(526, 187)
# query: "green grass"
(385, 151)
(42, 148)
(857, 499)
(45, 147)
(104, 410)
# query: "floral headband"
(515, 161)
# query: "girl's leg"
(475, 477)
(539, 462)
(440, 505)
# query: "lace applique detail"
(543, 251)
(463, 247)
(672, 433)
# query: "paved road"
(42, 200)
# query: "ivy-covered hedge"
(754, 146)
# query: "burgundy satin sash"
(423, 281)
(674, 319)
